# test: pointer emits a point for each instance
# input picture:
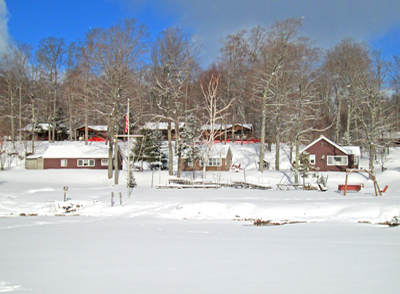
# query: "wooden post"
(112, 199)
(120, 198)
(65, 193)
(345, 184)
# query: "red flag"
(127, 120)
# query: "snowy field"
(195, 240)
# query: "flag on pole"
(127, 119)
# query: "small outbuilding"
(73, 155)
(220, 159)
(222, 131)
(41, 131)
(99, 131)
(163, 128)
(326, 155)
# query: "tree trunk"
(12, 115)
(177, 143)
(115, 162)
(371, 157)
(110, 147)
(20, 114)
(297, 165)
(171, 152)
(54, 114)
(86, 120)
(241, 137)
(347, 136)
(277, 151)
(33, 125)
(70, 109)
(338, 122)
(262, 137)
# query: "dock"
(185, 183)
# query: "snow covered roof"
(345, 149)
(96, 127)
(160, 125)
(43, 126)
(225, 126)
(217, 150)
(77, 150)
(354, 150)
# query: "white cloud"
(4, 37)
(326, 21)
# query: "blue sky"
(326, 21)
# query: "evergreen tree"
(148, 147)
(191, 135)
(305, 165)
(132, 181)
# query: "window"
(312, 158)
(212, 162)
(337, 160)
(104, 162)
(190, 162)
(355, 160)
(85, 162)
(64, 162)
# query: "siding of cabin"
(225, 164)
(185, 167)
(322, 149)
(92, 133)
(50, 163)
(220, 134)
(71, 163)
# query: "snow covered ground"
(195, 240)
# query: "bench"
(351, 187)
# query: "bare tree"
(271, 70)
(346, 64)
(305, 105)
(51, 53)
(174, 58)
(214, 113)
(117, 52)
(374, 115)
(234, 66)
(8, 75)
(32, 89)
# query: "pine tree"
(148, 147)
(305, 165)
(190, 139)
(131, 181)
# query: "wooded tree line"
(274, 78)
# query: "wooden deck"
(289, 186)
(185, 183)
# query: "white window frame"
(64, 162)
(312, 159)
(86, 162)
(356, 160)
(104, 162)
(333, 160)
(214, 161)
